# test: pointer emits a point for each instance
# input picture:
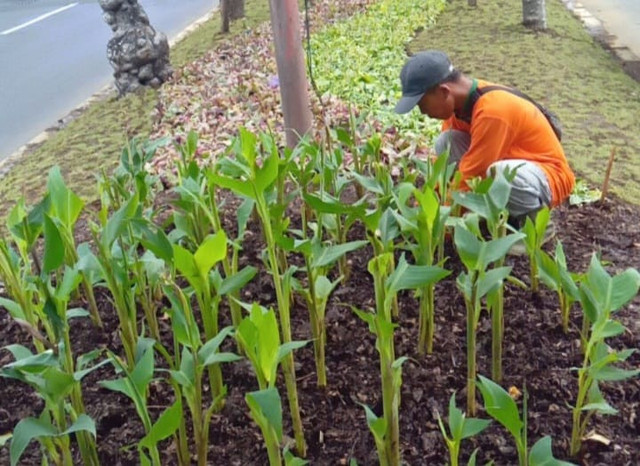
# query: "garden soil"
(537, 355)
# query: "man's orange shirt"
(505, 126)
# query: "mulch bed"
(536, 352)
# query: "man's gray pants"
(529, 189)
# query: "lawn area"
(564, 68)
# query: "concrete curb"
(107, 91)
(629, 61)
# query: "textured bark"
(472, 2)
(534, 14)
(285, 23)
(230, 10)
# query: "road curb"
(629, 61)
(105, 92)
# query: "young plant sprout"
(555, 274)
(424, 224)
(600, 296)
(253, 175)
(460, 428)
(319, 259)
(489, 201)
(500, 406)
(477, 282)
(135, 385)
(259, 336)
(533, 242)
(387, 283)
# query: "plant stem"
(390, 408)
(471, 348)
(285, 324)
(497, 330)
(426, 321)
(564, 309)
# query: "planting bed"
(537, 353)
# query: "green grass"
(94, 140)
(563, 68)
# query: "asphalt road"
(53, 57)
(620, 18)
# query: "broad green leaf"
(267, 174)
(548, 270)
(324, 287)
(498, 248)
(287, 348)
(491, 280)
(119, 385)
(500, 406)
(268, 403)
(406, 276)
(211, 251)
(219, 358)
(118, 221)
(624, 287)
(53, 246)
(14, 309)
(25, 431)
(83, 423)
(499, 193)
(474, 426)
(166, 425)
(468, 246)
(475, 202)
(237, 281)
(377, 425)
(32, 363)
(611, 373)
(329, 254)
(541, 454)
(186, 265)
(211, 347)
(291, 460)
(244, 188)
(429, 205)
(456, 418)
(143, 372)
(65, 203)
(542, 220)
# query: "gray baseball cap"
(420, 73)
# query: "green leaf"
(329, 254)
(15, 310)
(212, 250)
(143, 372)
(209, 349)
(406, 276)
(541, 454)
(500, 406)
(468, 246)
(53, 246)
(491, 280)
(118, 221)
(474, 426)
(65, 203)
(268, 403)
(26, 430)
(611, 373)
(238, 280)
(165, 426)
(244, 188)
(267, 174)
(377, 425)
(83, 423)
(288, 347)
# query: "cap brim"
(406, 103)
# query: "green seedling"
(489, 201)
(387, 283)
(533, 242)
(66, 207)
(319, 259)
(259, 336)
(424, 226)
(192, 357)
(477, 282)
(460, 428)
(135, 385)
(501, 407)
(46, 374)
(554, 273)
(253, 174)
(600, 296)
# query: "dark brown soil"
(536, 352)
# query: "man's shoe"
(519, 249)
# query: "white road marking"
(39, 18)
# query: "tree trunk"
(472, 2)
(229, 11)
(534, 14)
(285, 23)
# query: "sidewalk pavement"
(616, 25)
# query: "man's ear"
(445, 89)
